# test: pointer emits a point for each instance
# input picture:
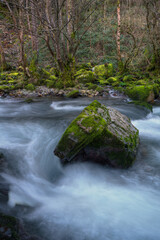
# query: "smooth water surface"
(81, 201)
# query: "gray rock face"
(100, 134)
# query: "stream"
(80, 201)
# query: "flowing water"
(81, 201)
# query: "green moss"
(80, 133)
(85, 66)
(30, 87)
(142, 82)
(29, 100)
(50, 83)
(85, 76)
(13, 74)
(92, 86)
(101, 70)
(103, 81)
(93, 128)
(104, 71)
(112, 80)
(59, 84)
(46, 73)
(128, 78)
(140, 93)
(99, 89)
(73, 94)
(110, 70)
(143, 104)
(53, 78)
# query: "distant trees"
(62, 24)
(153, 27)
(119, 31)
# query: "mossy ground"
(140, 87)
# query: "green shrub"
(30, 87)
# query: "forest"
(81, 44)
(79, 119)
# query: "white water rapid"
(81, 201)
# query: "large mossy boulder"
(99, 134)
(143, 93)
(104, 71)
(85, 76)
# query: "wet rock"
(73, 94)
(12, 228)
(99, 134)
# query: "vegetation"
(61, 44)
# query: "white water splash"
(65, 106)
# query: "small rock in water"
(12, 228)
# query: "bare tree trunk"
(21, 35)
(28, 18)
(118, 31)
(3, 63)
(104, 24)
(69, 20)
(34, 29)
(20, 30)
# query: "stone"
(73, 94)
(11, 228)
(99, 134)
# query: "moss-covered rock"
(29, 100)
(142, 104)
(99, 134)
(99, 89)
(142, 93)
(84, 76)
(30, 87)
(104, 71)
(92, 86)
(128, 78)
(73, 94)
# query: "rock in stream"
(99, 134)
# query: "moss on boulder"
(104, 71)
(30, 87)
(84, 76)
(99, 134)
(142, 93)
(73, 94)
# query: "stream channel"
(80, 201)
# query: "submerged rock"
(12, 228)
(99, 134)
